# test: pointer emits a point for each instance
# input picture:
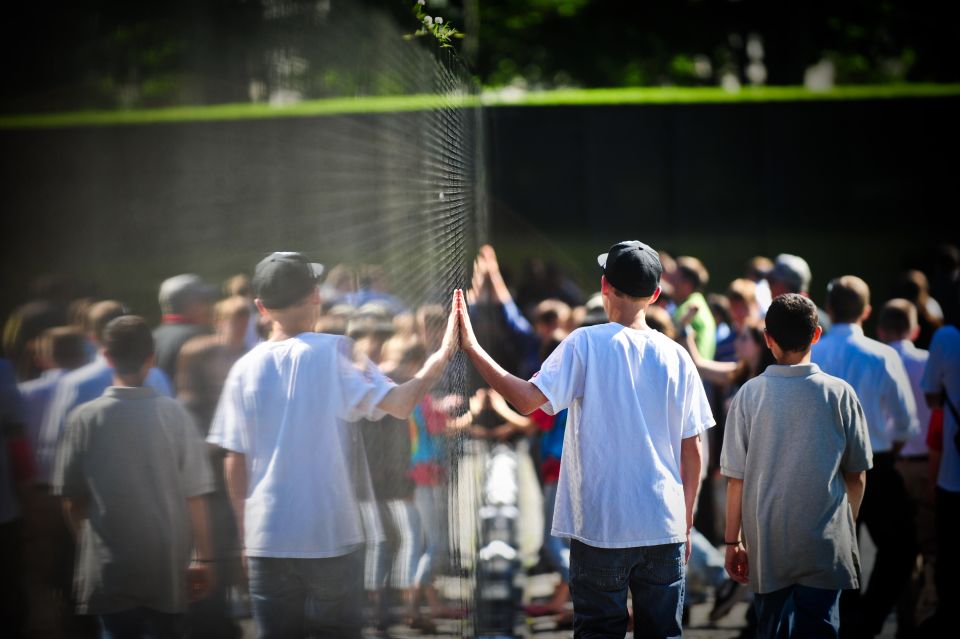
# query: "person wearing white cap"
(791, 274)
(186, 302)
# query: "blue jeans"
(599, 578)
(307, 597)
(137, 623)
(798, 611)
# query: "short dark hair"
(692, 270)
(101, 314)
(847, 297)
(64, 345)
(898, 316)
(128, 343)
(792, 320)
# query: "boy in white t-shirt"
(630, 467)
(283, 418)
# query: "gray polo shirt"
(136, 458)
(791, 434)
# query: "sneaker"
(728, 593)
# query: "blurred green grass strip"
(491, 98)
(711, 95)
(241, 111)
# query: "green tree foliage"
(595, 43)
(88, 54)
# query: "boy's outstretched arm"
(736, 562)
(856, 486)
(523, 395)
(402, 399)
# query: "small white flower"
(438, 20)
(427, 20)
(422, 3)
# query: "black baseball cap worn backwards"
(284, 278)
(632, 267)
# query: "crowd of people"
(282, 446)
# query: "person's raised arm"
(523, 395)
(713, 372)
(856, 484)
(736, 562)
(401, 400)
(492, 268)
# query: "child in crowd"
(132, 471)
(795, 453)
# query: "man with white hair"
(186, 302)
(791, 274)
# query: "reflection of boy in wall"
(283, 418)
(132, 471)
(795, 453)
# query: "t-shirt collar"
(130, 392)
(796, 370)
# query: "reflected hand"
(499, 404)
(477, 401)
(200, 581)
(477, 282)
(448, 346)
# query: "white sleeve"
(229, 429)
(362, 386)
(697, 414)
(733, 453)
(561, 376)
(900, 403)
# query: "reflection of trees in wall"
(120, 54)
(117, 53)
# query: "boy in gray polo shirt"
(795, 453)
(131, 469)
